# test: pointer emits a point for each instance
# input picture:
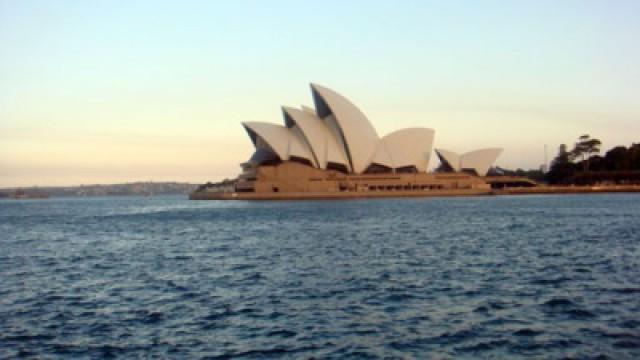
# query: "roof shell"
(450, 158)
(409, 147)
(260, 156)
(359, 136)
(278, 139)
(324, 146)
(299, 147)
(381, 156)
(480, 160)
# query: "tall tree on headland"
(584, 148)
(561, 166)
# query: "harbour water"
(549, 276)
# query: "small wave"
(181, 257)
(457, 336)
(612, 334)
(498, 305)
(254, 277)
(484, 346)
(399, 297)
(190, 295)
(23, 353)
(587, 357)
(177, 286)
(99, 328)
(571, 309)
(218, 315)
(550, 254)
(27, 337)
(109, 351)
(153, 317)
(627, 344)
(562, 343)
(630, 324)
(240, 267)
(527, 332)
(504, 321)
(282, 333)
(67, 349)
(555, 281)
(580, 314)
(274, 315)
(278, 351)
(626, 290)
(557, 302)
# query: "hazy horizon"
(103, 92)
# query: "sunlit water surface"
(501, 277)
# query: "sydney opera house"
(333, 150)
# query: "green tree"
(618, 159)
(584, 149)
(561, 167)
(634, 156)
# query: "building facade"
(334, 150)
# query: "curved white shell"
(280, 140)
(449, 158)
(409, 147)
(324, 146)
(351, 126)
(480, 160)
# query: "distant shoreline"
(124, 189)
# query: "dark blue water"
(483, 277)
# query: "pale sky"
(116, 91)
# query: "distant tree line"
(583, 165)
(129, 189)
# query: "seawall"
(568, 190)
(335, 195)
(409, 193)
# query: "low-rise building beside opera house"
(333, 151)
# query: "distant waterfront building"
(334, 149)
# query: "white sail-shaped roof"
(280, 140)
(409, 147)
(338, 136)
(260, 156)
(480, 160)
(449, 158)
(299, 147)
(324, 146)
(381, 156)
(269, 137)
(357, 133)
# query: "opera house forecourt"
(333, 151)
